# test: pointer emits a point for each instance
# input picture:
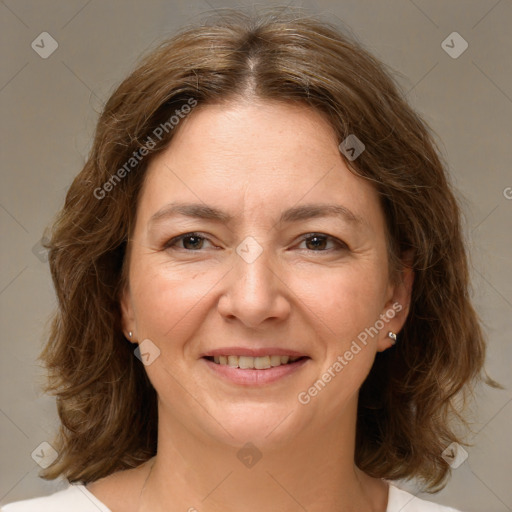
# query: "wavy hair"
(106, 403)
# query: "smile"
(258, 363)
(260, 370)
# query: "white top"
(82, 500)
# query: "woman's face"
(253, 238)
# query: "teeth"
(262, 363)
(246, 362)
(258, 363)
(275, 360)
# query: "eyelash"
(171, 244)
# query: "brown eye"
(187, 242)
(319, 243)
(315, 243)
(192, 242)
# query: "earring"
(392, 337)
(130, 334)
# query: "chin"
(264, 425)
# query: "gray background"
(49, 108)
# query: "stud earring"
(392, 337)
(130, 334)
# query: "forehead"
(255, 156)
(251, 137)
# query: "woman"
(262, 286)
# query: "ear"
(127, 315)
(398, 304)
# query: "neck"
(315, 472)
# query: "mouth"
(254, 367)
(254, 363)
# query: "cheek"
(169, 300)
(343, 301)
(344, 304)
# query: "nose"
(255, 294)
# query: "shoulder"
(76, 497)
(402, 501)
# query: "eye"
(187, 241)
(319, 242)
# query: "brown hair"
(105, 401)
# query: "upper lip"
(252, 352)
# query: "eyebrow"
(295, 214)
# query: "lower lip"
(252, 377)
